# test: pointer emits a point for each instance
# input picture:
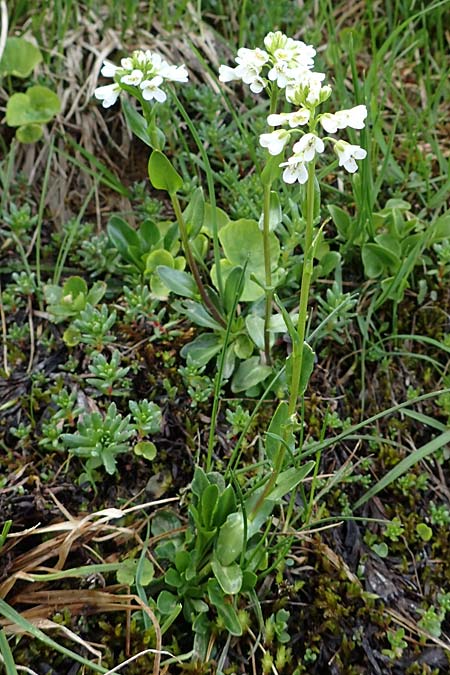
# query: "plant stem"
(191, 262)
(297, 351)
(211, 192)
(267, 274)
(266, 245)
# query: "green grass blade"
(6, 654)
(403, 466)
(13, 616)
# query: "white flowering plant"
(284, 70)
(247, 253)
(144, 75)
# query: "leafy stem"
(191, 261)
(298, 343)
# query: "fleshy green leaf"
(145, 449)
(177, 281)
(37, 106)
(202, 349)
(30, 133)
(162, 174)
(249, 373)
(228, 576)
(19, 58)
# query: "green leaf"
(30, 133)
(167, 602)
(208, 505)
(307, 367)
(249, 580)
(149, 235)
(276, 428)
(378, 260)
(162, 174)
(233, 287)
(194, 213)
(228, 576)
(136, 122)
(125, 240)
(145, 449)
(341, 219)
(272, 169)
(226, 611)
(424, 531)
(37, 106)
(225, 506)
(177, 281)
(96, 293)
(197, 314)
(415, 456)
(156, 258)
(242, 242)
(243, 347)
(289, 479)
(126, 574)
(202, 349)
(275, 213)
(19, 58)
(230, 540)
(249, 373)
(441, 227)
(255, 328)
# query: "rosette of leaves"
(223, 551)
(153, 244)
(38, 105)
(99, 439)
(70, 300)
(396, 246)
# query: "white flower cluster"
(290, 63)
(310, 144)
(144, 69)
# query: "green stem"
(191, 261)
(297, 352)
(211, 192)
(267, 273)
(266, 246)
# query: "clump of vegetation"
(224, 396)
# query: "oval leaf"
(162, 174)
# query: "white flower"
(108, 94)
(353, 117)
(151, 90)
(329, 122)
(141, 57)
(127, 63)
(175, 73)
(250, 63)
(294, 119)
(347, 154)
(305, 87)
(109, 69)
(295, 169)
(227, 74)
(275, 141)
(252, 57)
(257, 85)
(308, 145)
(134, 78)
